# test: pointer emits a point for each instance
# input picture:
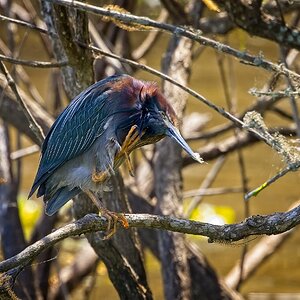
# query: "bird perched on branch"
(95, 134)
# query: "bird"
(96, 133)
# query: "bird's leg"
(112, 217)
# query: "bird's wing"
(76, 128)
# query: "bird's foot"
(131, 138)
(99, 176)
(113, 218)
(129, 143)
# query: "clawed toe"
(113, 218)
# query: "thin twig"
(211, 192)
(231, 102)
(291, 86)
(287, 169)
(275, 223)
(33, 63)
(36, 129)
(24, 152)
(24, 24)
(23, 75)
(266, 247)
(146, 45)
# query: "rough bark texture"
(205, 283)
(121, 254)
(122, 258)
(250, 16)
(70, 26)
(168, 181)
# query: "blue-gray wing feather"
(75, 130)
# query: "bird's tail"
(60, 198)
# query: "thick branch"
(255, 225)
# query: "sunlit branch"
(291, 167)
(218, 109)
(257, 61)
(255, 225)
(24, 152)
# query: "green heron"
(95, 134)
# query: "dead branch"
(33, 125)
(272, 224)
(257, 61)
(251, 17)
(265, 248)
(33, 63)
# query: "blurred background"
(222, 79)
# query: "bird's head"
(157, 118)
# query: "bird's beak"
(174, 133)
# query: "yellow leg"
(112, 217)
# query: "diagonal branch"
(181, 31)
(34, 126)
(33, 63)
(275, 223)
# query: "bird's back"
(75, 129)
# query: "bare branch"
(275, 223)
(218, 109)
(266, 247)
(211, 191)
(32, 122)
(207, 182)
(257, 61)
(284, 93)
(33, 63)
(291, 167)
(145, 46)
(24, 152)
(24, 24)
(250, 16)
(214, 150)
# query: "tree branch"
(252, 18)
(33, 63)
(33, 125)
(24, 24)
(275, 223)
(257, 61)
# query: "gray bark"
(168, 181)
